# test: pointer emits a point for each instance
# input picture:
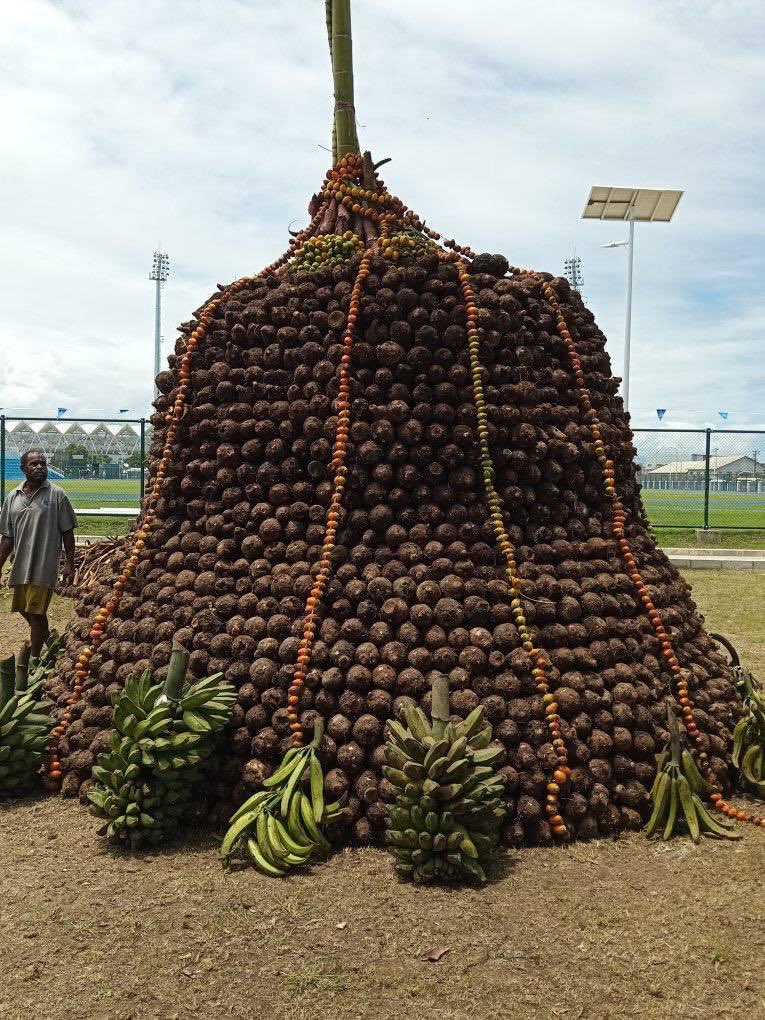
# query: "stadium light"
(160, 270)
(635, 205)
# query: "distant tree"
(63, 458)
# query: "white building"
(730, 474)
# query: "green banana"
(238, 828)
(661, 761)
(689, 808)
(471, 723)
(317, 789)
(290, 788)
(710, 825)
(660, 804)
(292, 845)
(437, 751)
(417, 722)
(694, 777)
(196, 722)
(261, 863)
(395, 757)
(309, 823)
(674, 800)
(739, 735)
(249, 805)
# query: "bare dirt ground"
(605, 930)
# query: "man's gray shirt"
(35, 525)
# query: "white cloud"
(201, 126)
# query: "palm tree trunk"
(344, 137)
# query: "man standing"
(35, 519)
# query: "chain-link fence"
(702, 478)
(100, 463)
(691, 478)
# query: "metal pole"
(628, 323)
(143, 456)
(2, 459)
(706, 478)
(157, 331)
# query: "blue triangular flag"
(723, 415)
(660, 412)
(61, 410)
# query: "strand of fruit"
(340, 469)
(618, 518)
(147, 520)
(379, 206)
(537, 659)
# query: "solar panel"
(643, 205)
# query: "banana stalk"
(7, 679)
(22, 667)
(281, 826)
(176, 673)
(749, 735)
(144, 786)
(677, 792)
(24, 717)
(449, 805)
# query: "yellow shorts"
(31, 598)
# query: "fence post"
(706, 477)
(2, 459)
(143, 455)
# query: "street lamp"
(635, 205)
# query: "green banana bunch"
(749, 735)
(40, 667)
(25, 722)
(677, 791)
(280, 826)
(138, 806)
(145, 784)
(445, 822)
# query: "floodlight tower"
(573, 272)
(160, 270)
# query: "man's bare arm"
(6, 548)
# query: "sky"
(204, 128)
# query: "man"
(35, 519)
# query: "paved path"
(718, 559)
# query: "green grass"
(97, 492)
(681, 538)
(105, 525)
(732, 601)
(94, 493)
(668, 507)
